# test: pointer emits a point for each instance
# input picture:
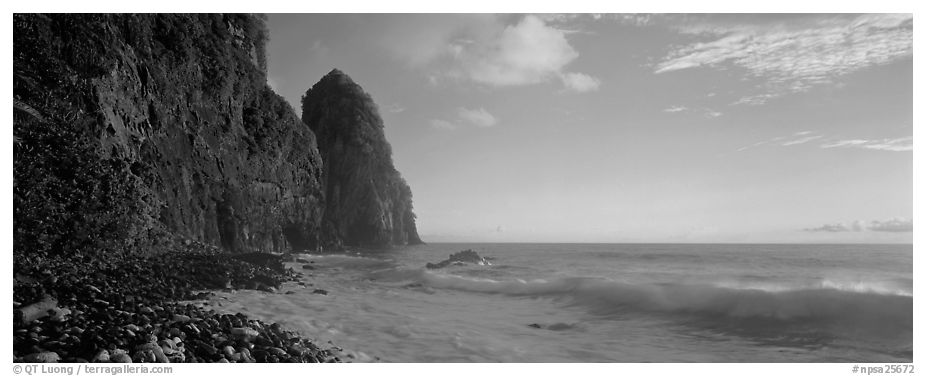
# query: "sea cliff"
(167, 129)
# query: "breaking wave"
(855, 304)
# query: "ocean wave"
(830, 302)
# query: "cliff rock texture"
(130, 127)
(368, 203)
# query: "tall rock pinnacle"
(367, 202)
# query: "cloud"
(855, 226)
(886, 144)
(796, 138)
(580, 82)
(394, 108)
(478, 117)
(487, 50)
(802, 140)
(527, 53)
(703, 111)
(442, 124)
(803, 137)
(892, 225)
(755, 100)
(790, 57)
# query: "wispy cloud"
(703, 111)
(633, 19)
(855, 226)
(394, 108)
(478, 117)
(580, 82)
(886, 144)
(891, 225)
(795, 138)
(802, 140)
(442, 124)
(794, 57)
(804, 137)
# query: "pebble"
(246, 333)
(276, 351)
(181, 318)
(101, 357)
(43, 357)
(157, 354)
(121, 358)
(246, 355)
(320, 292)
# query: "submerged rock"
(468, 256)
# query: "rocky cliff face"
(367, 201)
(165, 125)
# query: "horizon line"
(659, 243)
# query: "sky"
(628, 127)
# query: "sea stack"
(367, 202)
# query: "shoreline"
(152, 308)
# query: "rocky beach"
(149, 309)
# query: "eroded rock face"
(181, 99)
(367, 201)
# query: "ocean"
(604, 303)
